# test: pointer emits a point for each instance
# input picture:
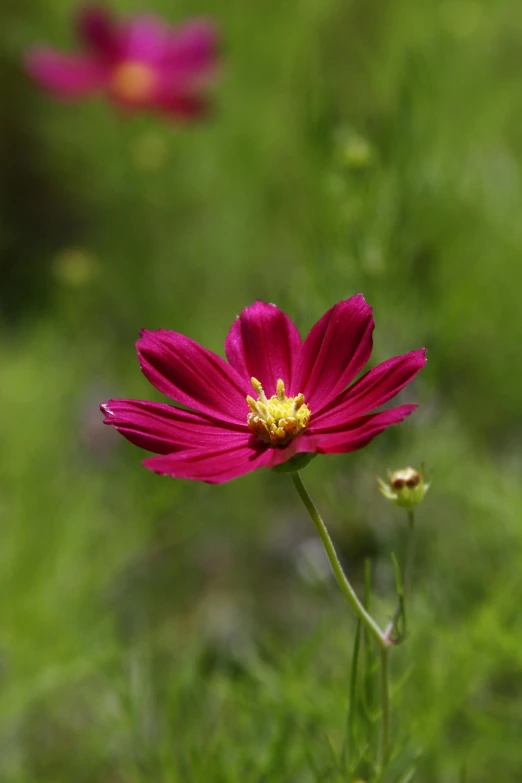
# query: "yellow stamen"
(132, 81)
(279, 419)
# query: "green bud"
(406, 487)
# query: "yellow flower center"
(132, 81)
(279, 419)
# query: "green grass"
(158, 630)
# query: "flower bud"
(406, 487)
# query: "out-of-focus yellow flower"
(357, 152)
(352, 150)
(74, 267)
(406, 487)
(150, 151)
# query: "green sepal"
(295, 463)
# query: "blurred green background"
(161, 630)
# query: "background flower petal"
(144, 39)
(335, 350)
(372, 390)
(192, 375)
(98, 31)
(163, 429)
(264, 343)
(191, 51)
(65, 75)
(170, 99)
(360, 431)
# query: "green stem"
(408, 570)
(365, 618)
(384, 743)
(348, 748)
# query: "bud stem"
(408, 570)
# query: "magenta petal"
(193, 376)
(97, 29)
(164, 429)
(192, 50)
(361, 431)
(218, 464)
(264, 343)
(67, 76)
(170, 100)
(144, 40)
(214, 466)
(335, 350)
(372, 390)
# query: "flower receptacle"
(295, 463)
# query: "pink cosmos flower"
(138, 64)
(305, 399)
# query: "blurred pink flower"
(228, 432)
(139, 64)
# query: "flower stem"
(347, 754)
(384, 742)
(365, 618)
